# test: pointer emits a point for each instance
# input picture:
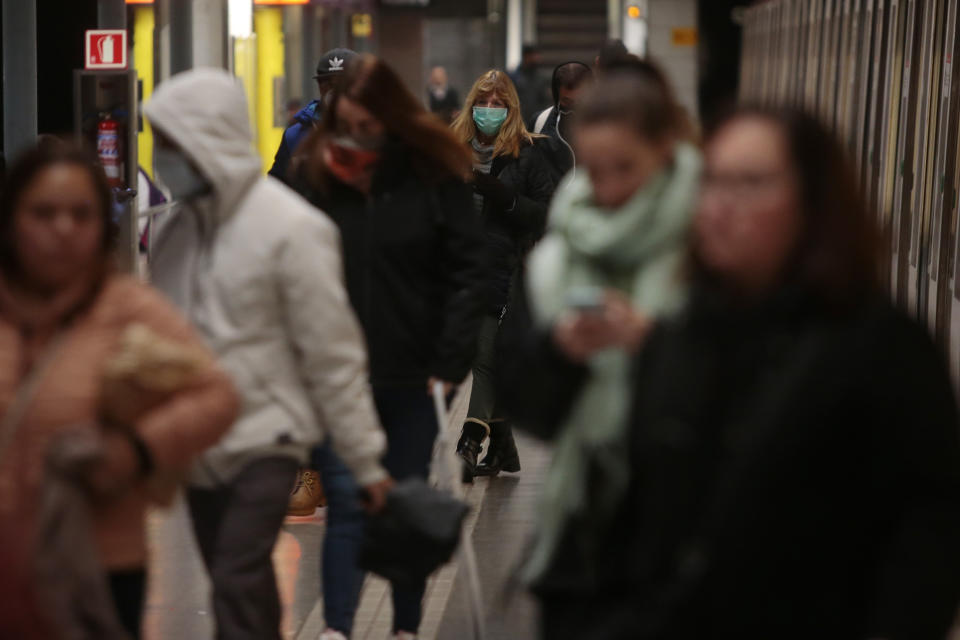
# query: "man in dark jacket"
(331, 64)
(570, 81)
(443, 98)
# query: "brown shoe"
(307, 494)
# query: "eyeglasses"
(747, 184)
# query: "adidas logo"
(336, 64)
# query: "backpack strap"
(542, 120)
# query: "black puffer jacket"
(557, 151)
(795, 474)
(414, 270)
(511, 233)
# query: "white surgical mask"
(178, 175)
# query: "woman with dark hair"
(512, 190)
(794, 453)
(64, 313)
(392, 177)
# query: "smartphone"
(586, 300)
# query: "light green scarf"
(638, 249)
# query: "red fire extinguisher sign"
(106, 49)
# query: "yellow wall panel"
(245, 68)
(268, 25)
(143, 23)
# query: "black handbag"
(416, 533)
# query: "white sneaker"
(330, 634)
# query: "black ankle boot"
(501, 454)
(468, 447)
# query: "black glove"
(500, 195)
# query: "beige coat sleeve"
(329, 344)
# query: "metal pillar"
(19, 76)
(188, 34)
(295, 56)
(514, 33)
(615, 19)
(161, 41)
(208, 32)
(181, 35)
(530, 22)
(111, 14)
(173, 34)
(313, 48)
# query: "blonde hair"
(513, 135)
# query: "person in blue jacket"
(331, 64)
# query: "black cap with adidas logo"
(334, 61)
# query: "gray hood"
(204, 112)
(263, 283)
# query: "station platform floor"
(500, 523)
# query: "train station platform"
(500, 522)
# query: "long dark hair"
(436, 154)
(25, 170)
(836, 257)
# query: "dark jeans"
(236, 528)
(342, 578)
(483, 394)
(408, 417)
(128, 589)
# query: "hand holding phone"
(590, 300)
(598, 320)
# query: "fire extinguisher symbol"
(105, 49)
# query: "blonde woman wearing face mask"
(512, 189)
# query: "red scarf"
(350, 165)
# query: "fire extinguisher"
(108, 149)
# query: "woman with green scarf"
(610, 265)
